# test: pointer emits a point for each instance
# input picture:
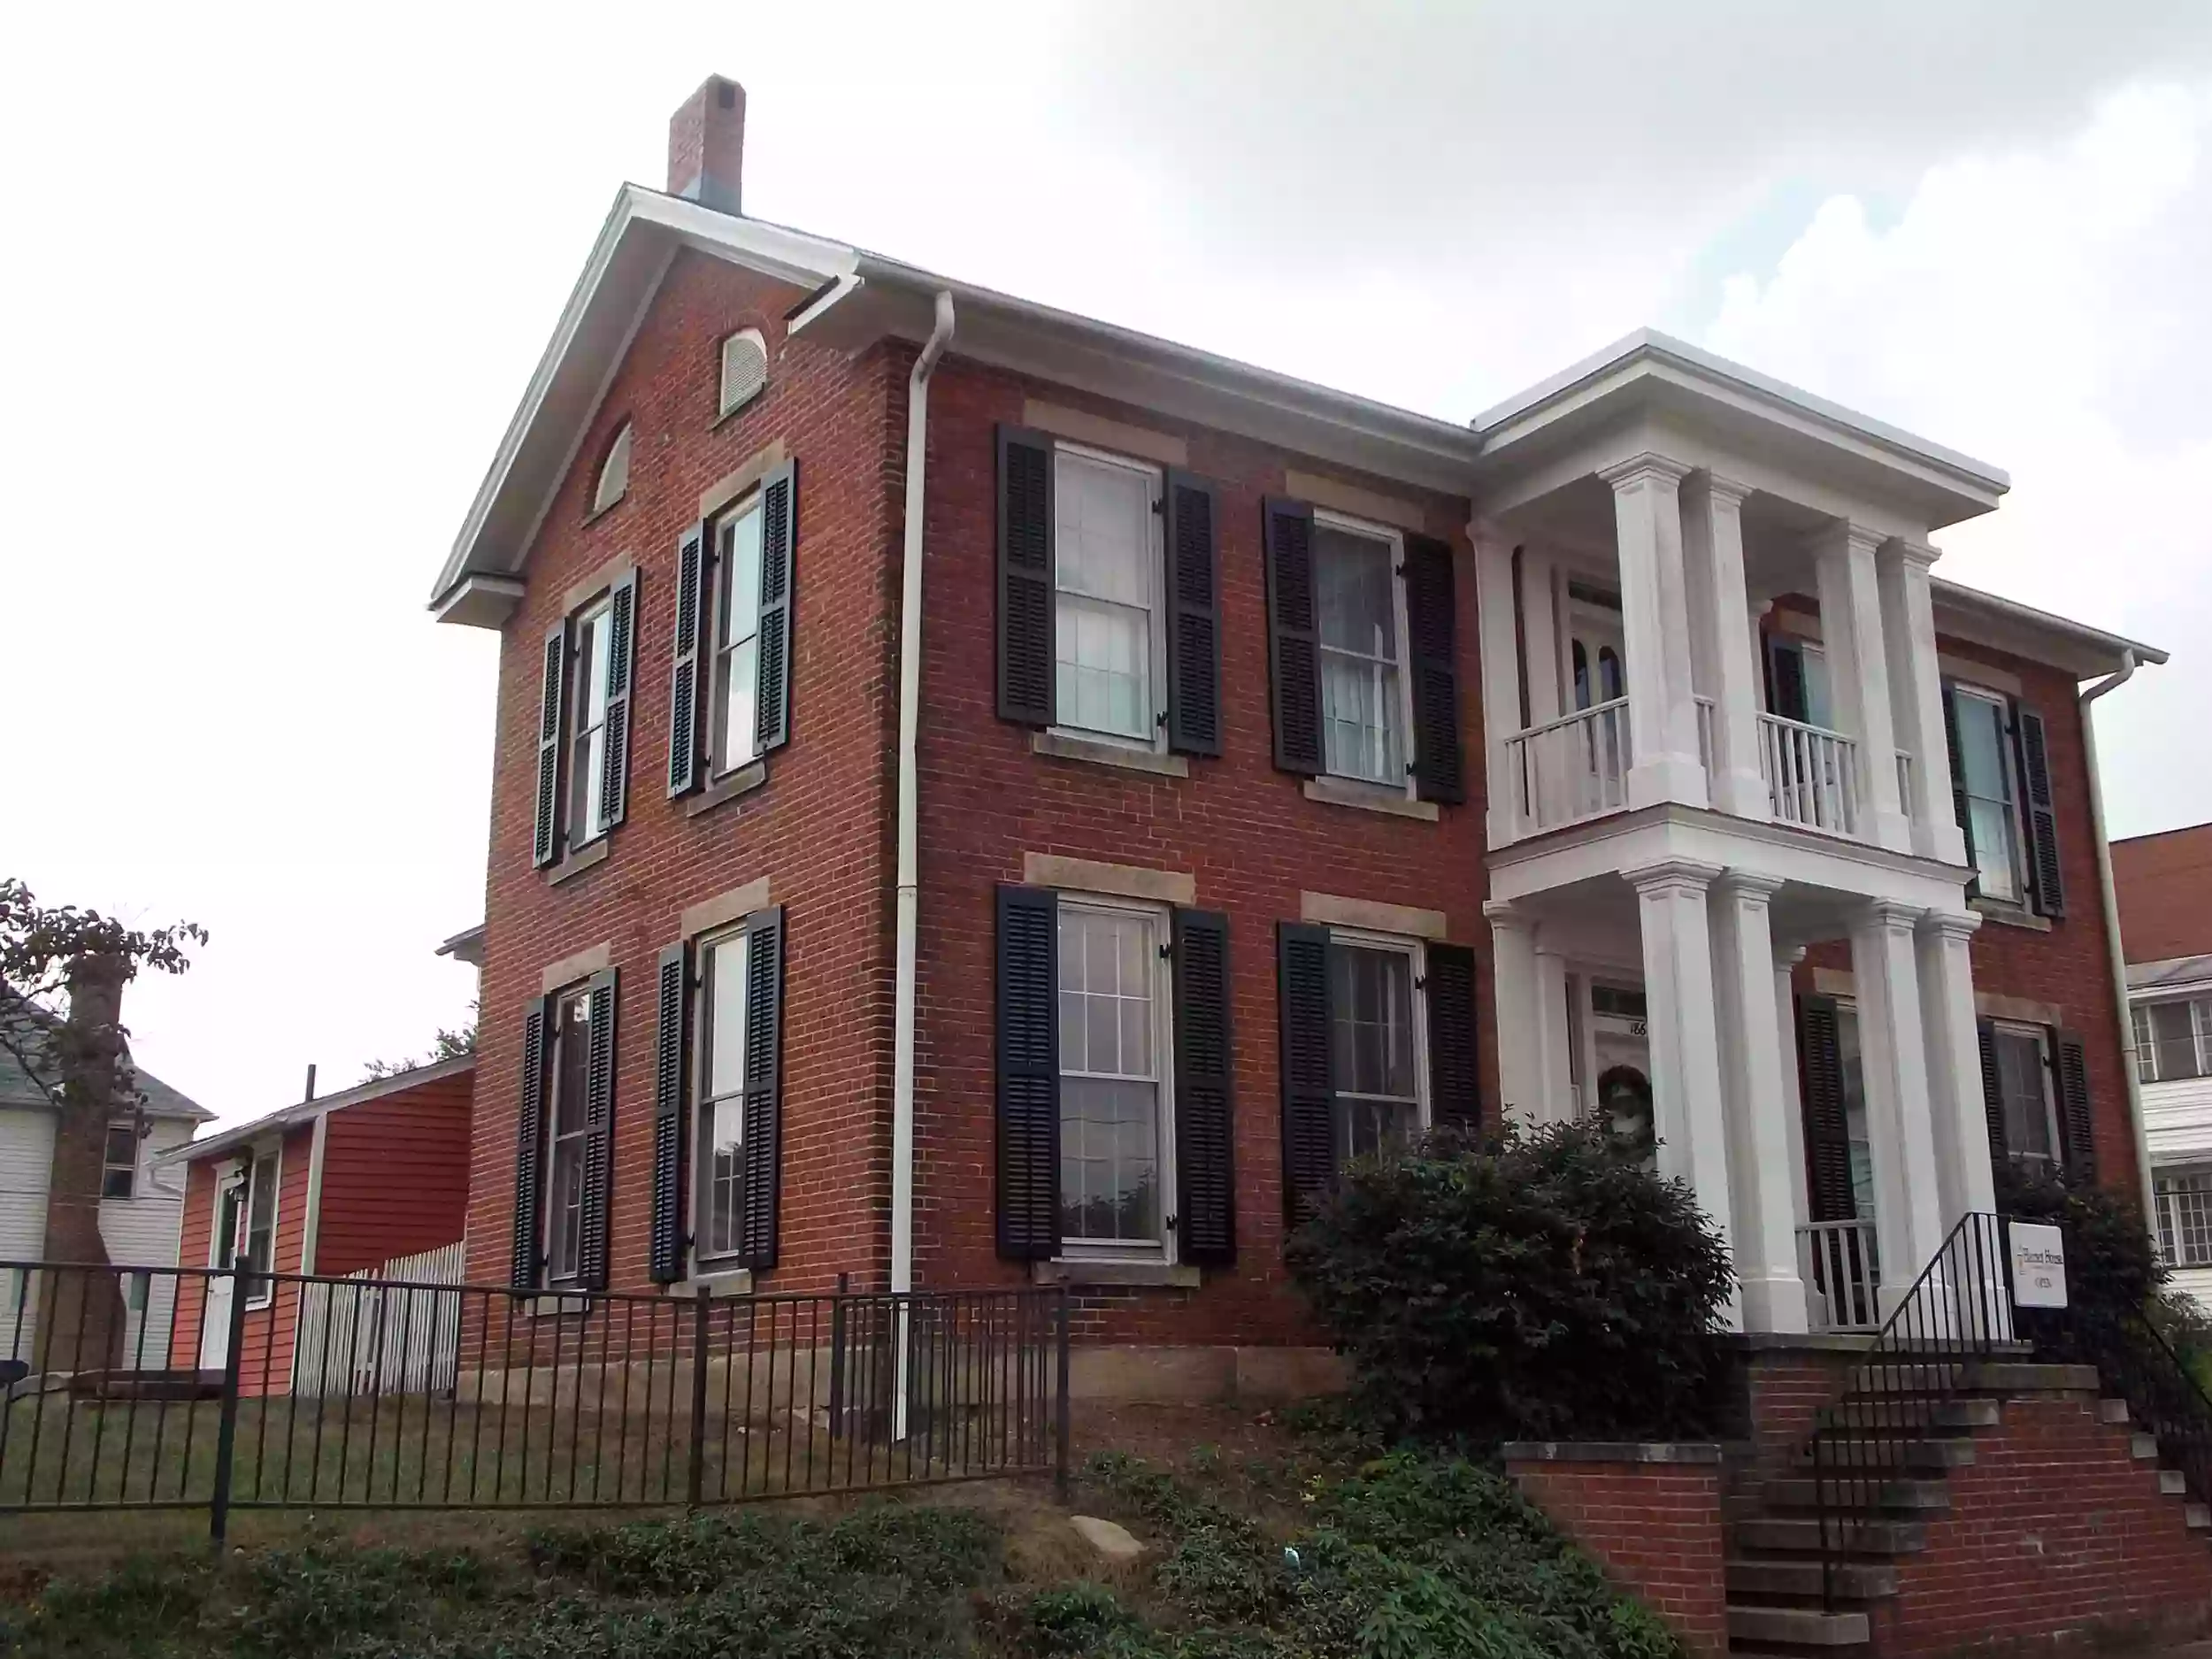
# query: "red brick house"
(368, 1179)
(983, 796)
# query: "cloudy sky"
(277, 279)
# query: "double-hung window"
(259, 1257)
(1113, 1078)
(566, 1128)
(118, 1172)
(587, 740)
(729, 696)
(719, 1204)
(2184, 1215)
(1374, 1045)
(1359, 601)
(584, 722)
(732, 737)
(1988, 792)
(2172, 1038)
(1108, 645)
(2023, 1084)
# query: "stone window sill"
(582, 859)
(744, 780)
(558, 1305)
(733, 1281)
(1162, 1275)
(1370, 797)
(1102, 752)
(2010, 915)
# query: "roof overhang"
(307, 1111)
(2003, 625)
(1649, 378)
(465, 946)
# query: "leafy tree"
(62, 974)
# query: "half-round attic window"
(744, 368)
(614, 472)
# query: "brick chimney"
(706, 145)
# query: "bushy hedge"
(1545, 1285)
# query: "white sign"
(2038, 1266)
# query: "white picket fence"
(363, 1338)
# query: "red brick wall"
(818, 829)
(395, 1176)
(2164, 885)
(1777, 1394)
(1655, 1528)
(265, 1349)
(1243, 830)
(2055, 1526)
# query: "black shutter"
(1993, 1094)
(2071, 1060)
(1958, 782)
(779, 566)
(2037, 811)
(1294, 635)
(522, 1259)
(1025, 577)
(1785, 679)
(545, 845)
(1205, 1099)
(686, 698)
(1029, 1073)
(764, 1087)
(591, 1232)
(1194, 634)
(1455, 1073)
(1439, 771)
(1301, 985)
(614, 775)
(1827, 1127)
(672, 1022)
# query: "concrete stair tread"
(1801, 1534)
(1934, 1453)
(1854, 1491)
(1797, 1627)
(1918, 1411)
(1751, 1579)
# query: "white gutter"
(910, 808)
(2113, 682)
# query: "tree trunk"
(80, 1313)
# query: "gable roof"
(19, 1088)
(307, 1110)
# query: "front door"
(230, 1224)
(1620, 1048)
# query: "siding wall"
(2178, 1119)
(395, 1177)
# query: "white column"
(1539, 634)
(1712, 533)
(1785, 960)
(1685, 1068)
(1554, 1038)
(1751, 1049)
(1964, 1181)
(1501, 675)
(1655, 622)
(1893, 1057)
(1916, 698)
(1513, 988)
(1858, 675)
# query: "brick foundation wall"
(1651, 1518)
(2053, 1528)
(1775, 1390)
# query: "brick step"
(1856, 1492)
(1799, 1534)
(2025, 1376)
(1918, 1412)
(1785, 1581)
(1796, 1627)
(1950, 1452)
(1891, 1380)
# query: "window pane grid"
(737, 641)
(721, 1198)
(2185, 1218)
(2023, 1082)
(587, 748)
(2169, 1039)
(1362, 707)
(564, 1195)
(1110, 1089)
(119, 1172)
(1104, 562)
(1371, 1015)
(1987, 778)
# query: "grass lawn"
(1260, 1545)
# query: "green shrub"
(1544, 1285)
(2112, 1267)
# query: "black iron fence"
(1956, 1316)
(194, 1387)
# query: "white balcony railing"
(1842, 1277)
(1812, 775)
(1572, 768)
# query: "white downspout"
(2113, 682)
(910, 811)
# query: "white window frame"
(1162, 919)
(1416, 951)
(108, 1166)
(705, 1263)
(1394, 539)
(2016, 837)
(587, 767)
(2146, 1044)
(567, 997)
(1156, 601)
(241, 1245)
(722, 757)
(2048, 1073)
(618, 450)
(2168, 1185)
(724, 405)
